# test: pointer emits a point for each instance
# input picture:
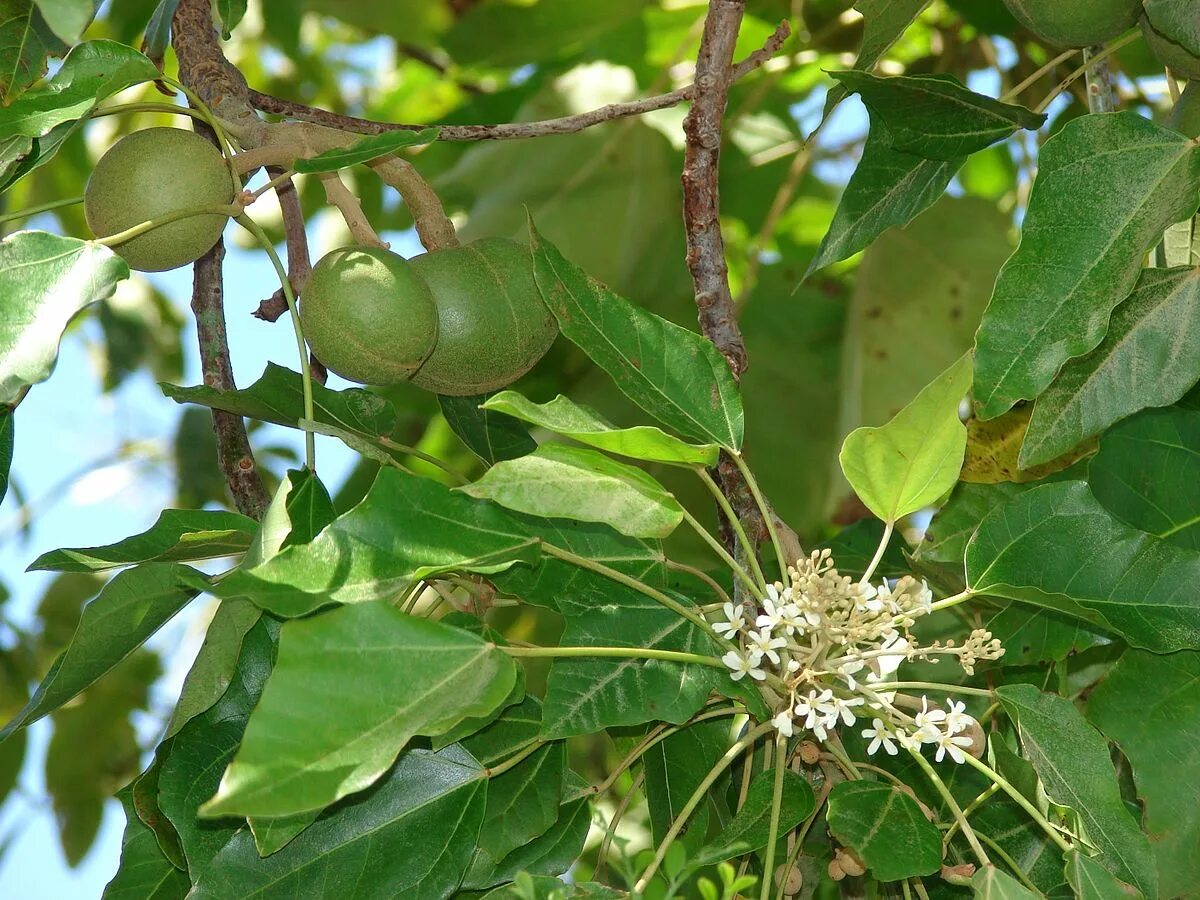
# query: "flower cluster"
(824, 647)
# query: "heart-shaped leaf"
(886, 828)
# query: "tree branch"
(233, 446)
(514, 130)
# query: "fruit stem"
(272, 184)
(34, 210)
(213, 123)
(310, 441)
(1082, 70)
(141, 228)
(146, 107)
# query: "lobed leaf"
(1055, 546)
(886, 828)
(1108, 185)
(381, 676)
(1150, 356)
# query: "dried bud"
(836, 872)
(810, 753)
(850, 863)
(789, 879)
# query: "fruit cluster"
(459, 321)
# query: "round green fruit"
(1076, 23)
(150, 174)
(492, 324)
(368, 316)
(1185, 117)
(1172, 55)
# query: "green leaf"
(489, 434)
(1055, 546)
(884, 21)
(1091, 881)
(7, 437)
(385, 676)
(364, 150)
(144, 873)
(563, 481)
(581, 423)
(79, 780)
(1145, 474)
(585, 695)
(190, 765)
(934, 116)
(67, 18)
(92, 71)
(130, 608)
(749, 830)
(1042, 637)
(886, 828)
(551, 854)
(231, 13)
(308, 507)
(674, 768)
(45, 280)
(992, 884)
(403, 530)
(179, 535)
(26, 42)
(1150, 356)
(888, 188)
(672, 373)
(158, 30)
(1150, 706)
(273, 834)
(523, 802)
(425, 813)
(278, 397)
(1072, 759)
(1107, 187)
(915, 458)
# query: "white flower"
(838, 706)
(952, 744)
(867, 599)
(783, 723)
(814, 707)
(957, 719)
(929, 723)
(742, 665)
(792, 665)
(847, 670)
(887, 663)
(881, 737)
(735, 621)
(765, 644)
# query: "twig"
(701, 195)
(233, 446)
(514, 130)
(299, 264)
(1101, 97)
(347, 204)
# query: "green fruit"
(152, 173)
(368, 316)
(1174, 56)
(492, 324)
(1076, 23)
(1185, 117)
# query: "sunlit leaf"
(1072, 759)
(1107, 188)
(1150, 356)
(674, 374)
(990, 883)
(1055, 546)
(179, 535)
(562, 481)
(886, 828)
(25, 43)
(563, 416)
(45, 280)
(915, 458)
(385, 676)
